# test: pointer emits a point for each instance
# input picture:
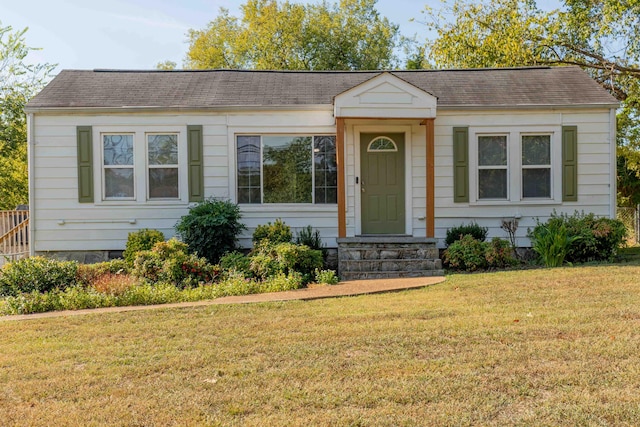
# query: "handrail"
(14, 233)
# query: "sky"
(138, 34)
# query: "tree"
(166, 65)
(601, 36)
(19, 81)
(349, 35)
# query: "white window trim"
(171, 166)
(103, 167)
(506, 167)
(233, 187)
(550, 166)
(514, 162)
(140, 164)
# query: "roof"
(205, 89)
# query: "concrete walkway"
(343, 289)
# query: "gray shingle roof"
(503, 87)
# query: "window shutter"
(569, 164)
(461, 165)
(196, 164)
(85, 164)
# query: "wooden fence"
(14, 235)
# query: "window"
(143, 163)
(162, 154)
(492, 167)
(536, 166)
(118, 168)
(286, 169)
(382, 144)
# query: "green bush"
(236, 261)
(169, 262)
(37, 274)
(282, 282)
(211, 228)
(311, 238)
(327, 277)
(466, 254)
(141, 240)
(552, 243)
(499, 253)
(275, 233)
(588, 237)
(474, 230)
(271, 260)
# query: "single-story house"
(371, 158)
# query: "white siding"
(61, 223)
(594, 180)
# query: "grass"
(537, 347)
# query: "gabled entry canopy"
(385, 96)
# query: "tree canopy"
(19, 81)
(601, 36)
(349, 35)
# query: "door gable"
(385, 96)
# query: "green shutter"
(569, 164)
(196, 164)
(85, 164)
(461, 165)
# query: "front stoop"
(381, 257)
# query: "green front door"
(382, 183)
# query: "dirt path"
(343, 289)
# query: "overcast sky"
(137, 34)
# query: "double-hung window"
(143, 164)
(536, 166)
(286, 169)
(162, 154)
(492, 167)
(118, 166)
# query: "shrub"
(87, 274)
(499, 253)
(474, 230)
(311, 238)
(592, 238)
(271, 260)
(327, 277)
(236, 261)
(552, 242)
(466, 254)
(275, 233)
(282, 282)
(169, 262)
(36, 274)
(236, 284)
(113, 284)
(141, 240)
(211, 228)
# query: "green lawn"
(538, 347)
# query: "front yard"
(537, 347)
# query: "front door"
(382, 183)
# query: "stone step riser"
(391, 265)
(387, 257)
(365, 275)
(388, 253)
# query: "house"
(371, 159)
